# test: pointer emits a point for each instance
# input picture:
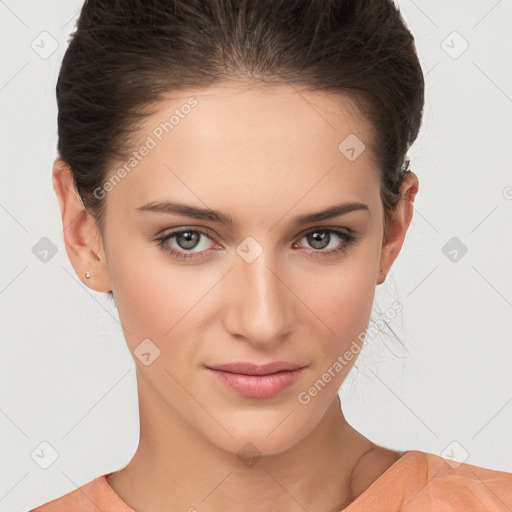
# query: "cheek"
(159, 299)
(342, 296)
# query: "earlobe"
(381, 276)
(81, 236)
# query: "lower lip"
(257, 386)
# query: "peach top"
(416, 482)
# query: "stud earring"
(87, 275)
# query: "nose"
(261, 306)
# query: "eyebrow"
(173, 207)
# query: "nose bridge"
(260, 308)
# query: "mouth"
(256, 369)
(256, 381)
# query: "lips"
(256, 381)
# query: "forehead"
(252, 140)
(250, 110)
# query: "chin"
(264, 432)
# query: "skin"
(263, 156)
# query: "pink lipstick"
(257, 381)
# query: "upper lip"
(256, 369)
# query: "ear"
(398, 224)
(81, 235)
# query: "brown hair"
(125, 55)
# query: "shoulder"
(90, 497)
(483, 484)
(454, 486)
(424, 482)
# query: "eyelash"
(347, 236)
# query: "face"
(195, 291)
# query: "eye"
(320, 240)
(184, 240)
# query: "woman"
(234, 175)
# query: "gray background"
(68, 405)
